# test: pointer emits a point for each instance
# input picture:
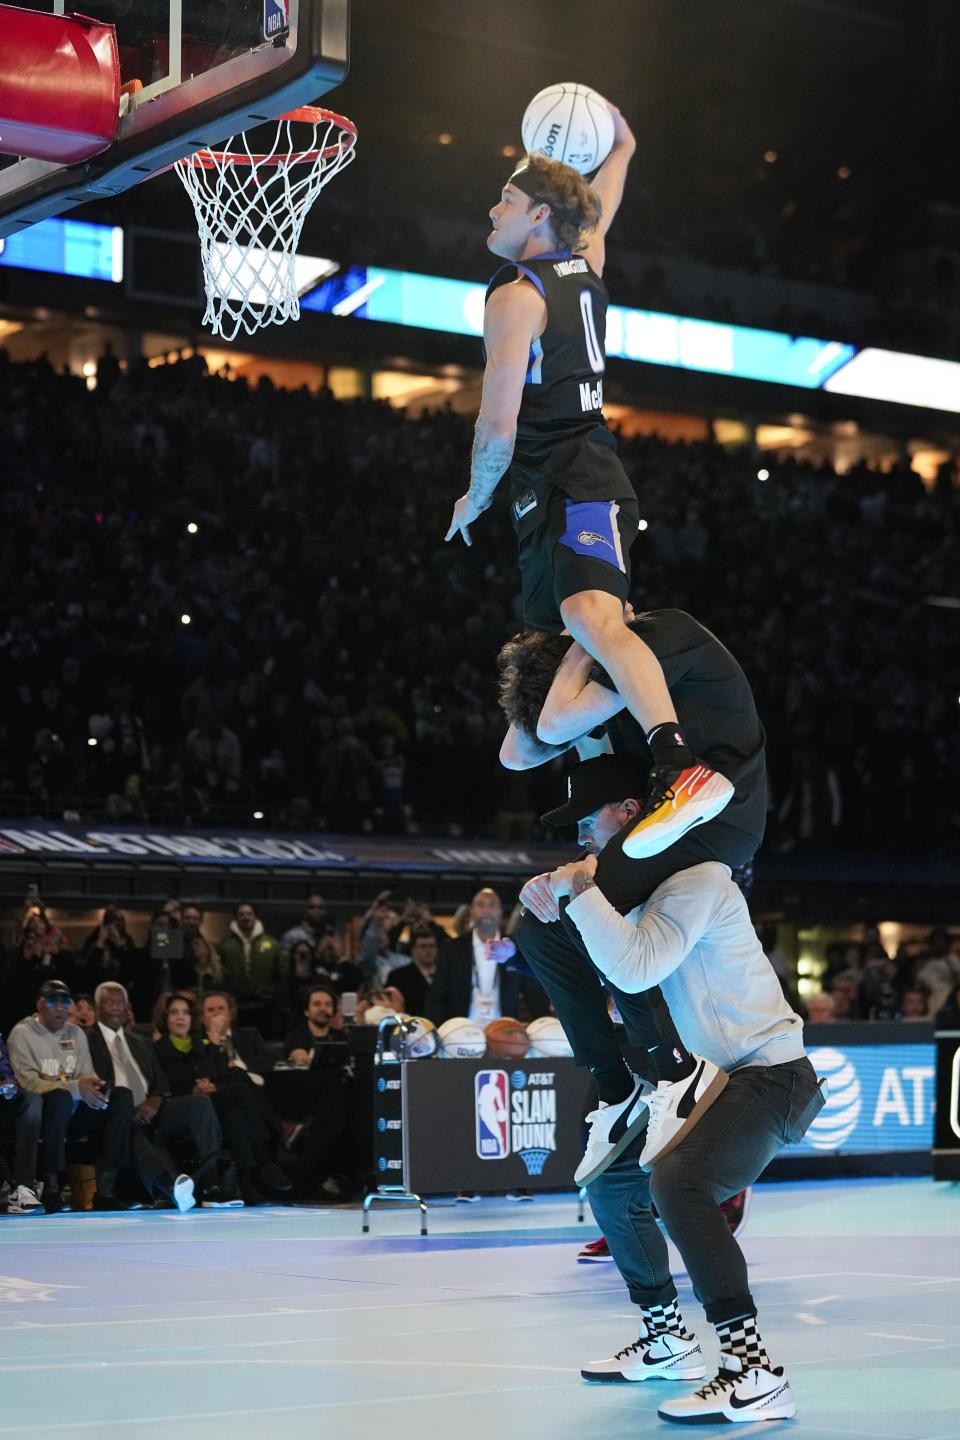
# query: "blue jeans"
(761, 1109)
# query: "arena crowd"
(218, 599)
(173, 1061)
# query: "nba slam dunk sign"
(516, 1114)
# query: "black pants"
(187, 1117)
(761, 1109)
(240, 1113)
(56, 1119)
(558, 957)
(38, 1118)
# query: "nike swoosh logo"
(675, 1358)
(687, 1099)
(737, 1404)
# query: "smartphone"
(348, 1004)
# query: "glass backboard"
(197, 71)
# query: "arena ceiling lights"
(455, 307)
(431, 302)
(67, 247)
(901, 379)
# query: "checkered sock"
(663, 1319)
(741, 1337)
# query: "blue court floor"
(280, 1324)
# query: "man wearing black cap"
(549, 683)
(66, 1099)
(693, 937)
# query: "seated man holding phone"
(66, 1099)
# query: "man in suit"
(415, 981)
(126, 1059)
(472, 978)
(243, 1044)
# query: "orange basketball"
(507, 1038)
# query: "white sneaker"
(611, 1129)
(738, 1394)
(183, 1196)
(659, 1357)
(23, 1201)
(676, 1106)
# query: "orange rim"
(305, 115)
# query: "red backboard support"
(207, 72)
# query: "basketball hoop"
(250, 210)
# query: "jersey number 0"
(594, 348)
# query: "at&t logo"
(838, 1118)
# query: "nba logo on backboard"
(276, 20)
(493, 1131)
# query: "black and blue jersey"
(562, 438)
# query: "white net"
(250, 209)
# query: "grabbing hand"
(538, 897)
(464, 513)
(622, 134)
(562, 879)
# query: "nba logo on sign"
(493, 1132)
(275, 18)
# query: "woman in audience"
(196, 1067)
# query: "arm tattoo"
(582, 880)
(491, 456)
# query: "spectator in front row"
(250, 967)
(321, 1013)
(23, 1195)
(127, 1059)
(312, 928)
(195, 1066)
(471, 977)
(66, 1099)
(243, 1045)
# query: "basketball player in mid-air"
(573, 506)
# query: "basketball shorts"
(579, 545)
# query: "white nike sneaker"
(610, 1130)
(23, 1201)
(738, 1394)
(183, 1196)
(658, 1357)
(675, 1106)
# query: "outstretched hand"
(464, 513)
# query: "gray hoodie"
(694, 938)
(43, 1061)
